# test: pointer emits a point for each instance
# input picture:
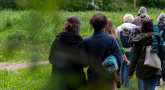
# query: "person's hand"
(130, 77)
(128, 62)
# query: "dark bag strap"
(145, 45)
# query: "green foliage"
(117, 5)
(152, 3)
(37, 78)
(33, 78)
(30, 33)
(17, 35)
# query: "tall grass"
(28, 34)
(36, 78)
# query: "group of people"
(70, 53)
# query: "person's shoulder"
(119, 28)
(88, 37)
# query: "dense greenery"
(27, 35)
(152, 3)
(81, 5)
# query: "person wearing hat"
(133, 34)
(161, 27)
(137, 19)
(136, 31)
(161, 23)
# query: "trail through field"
(14, 66)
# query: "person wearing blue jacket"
(98, 47)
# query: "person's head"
(144, 17)
(161, 26)
(73, 25)
(98, 21)
(161, 17)
(147, 26)
(128, 18)
(142, 10)
(110, 28)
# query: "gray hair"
(161, 18)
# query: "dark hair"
(147, 26)
(139, 14)
(72, 25)
(98, 21)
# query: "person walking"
(99, 46)
(67, 58)
(137, 19)
(111, 30)
(149, 75)
(133, 34)
(161, 27)
(124, 32)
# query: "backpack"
(124, 37)
(158, 46)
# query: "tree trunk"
(134, 5)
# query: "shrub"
(117, 5)
(152, 3)
(17, 36)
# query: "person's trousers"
(140, 84)
(101, 86)
(125, 68)
(150, 83)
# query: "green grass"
(27, 35)
(38, 77)
(35, 78)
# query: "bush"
(152, 3)
(17, 36)
(117, 5)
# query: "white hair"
(161, 17)
(128, 18)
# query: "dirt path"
(14, 66)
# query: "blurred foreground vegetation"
(28, 34)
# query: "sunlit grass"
(36, 78)
(33, 32)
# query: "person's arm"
(134, 60)
(123, 51)
(126, 60)
(52, 52)
(117, 52)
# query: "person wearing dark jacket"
(149, 75)
(67, 58)
(99, 46)
(137, 19)
(161, 27)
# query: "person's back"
(99, 46)
(65, 57)
(147, 74)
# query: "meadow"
(39, 78)
(35, 78)
(27, 35)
